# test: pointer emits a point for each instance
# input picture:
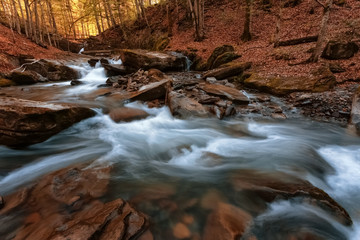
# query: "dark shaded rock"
(292, 3)
(92, 62)
(216, 53)
(224, 58)
(339, 50)
(2, 202)
(152, 91)
(24, 78)
(225, 92)
(126, 114)
(115, 69)
(143, 59)
(228, 70)
(25, 122)
(76, 82)
(184, 107)
(226, 222)
(318, 82)
(6, 82)
(71, 46)
(274, 186)
(336, 68)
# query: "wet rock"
(274, 186)
(14, 201)
(181, 231)
(226, 92)
(76, 82)
(24, 78)
(92, 62)
(64, 205)
(218, 52)
(228, 70)
(335, 50)
(152, 91)
(126, 114)
(182, 106)
(26, 122)
(224, 58)
(114, 69)
(355, 111)
(280, 85)
(226, 222)
(2, 202)
(6, 82)
(138, 58)
(52, 71)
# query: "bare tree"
(246, 36)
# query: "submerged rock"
(320, 81)
(25, 122)
(228, 70)
(182, 106)
(138, 58)
(64, 205)
(226, 222)
(126, 114)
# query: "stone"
(152, 91)
(138, 58)
(181, 231)
(114, 69)
(227, 70)
(6, 82)
(335, 50)
(184, 107)
(211, 80)
(224, 58)
(26, 122)
(24, 78)
(76, 82)
(270, 187)
(126, 114)
(2, 202)
(226, 222)
(280, 85)
(226, 92)
(336, 68)
(92, 62)
(216, 53)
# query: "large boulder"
(226, 222)
(219, 51)
(52, 71)
(126, 114)
(225, 92)
(320, 81)
(65, 205)
(355, 111)
(152, 91)
(228, 70)
(182, 106)
(270, 187)
(24, 78)
(115, 69)
(340, 50)
(138, 58)
(25, 122)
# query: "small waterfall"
(81, 50)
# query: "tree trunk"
(322, 33)
(36, 28)
(28, 17)
(106, 14)
(278, 25)
(16, 17)
(44, 23)
(96, 17)
(23, 19)
(197, 13)
(113, 22)
(246, 36)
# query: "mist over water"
(198, 155)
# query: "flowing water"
(171, 168)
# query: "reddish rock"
(24, 78)
(226, 222)
(182, 106)
(181, 231)
(228, 70)
(25, 122)
(2, 202)
(226, 92)
(126, 114)
(152, 91)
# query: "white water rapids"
(196, 154)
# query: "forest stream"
(176, 170)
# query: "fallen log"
(296, 41)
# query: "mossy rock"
(225, 58)
(198, 64)
(6, 82)
(218, 52)
(161, 43)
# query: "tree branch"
(321, 4)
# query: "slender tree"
(246, 36)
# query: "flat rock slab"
(182, 106)
(138, 58)
(224, 91)
(151, 91)
(126, 114)
(25, 122)
(228, 70)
